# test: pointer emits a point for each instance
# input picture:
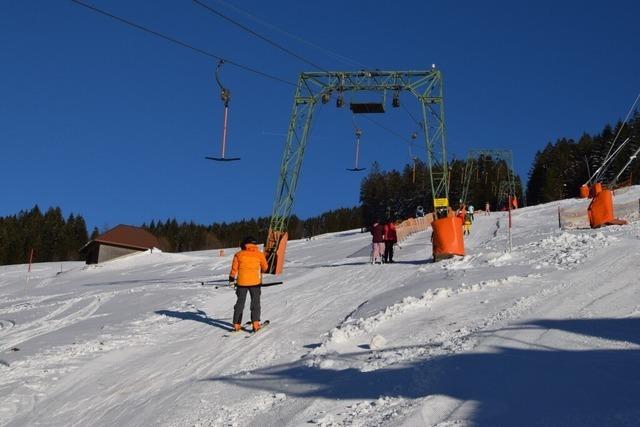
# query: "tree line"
(54, 238)
(557, 172)
(397, 194)
(561, 168)
(50, 235)
(189, 236)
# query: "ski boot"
(256, 325)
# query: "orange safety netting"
(413, 225)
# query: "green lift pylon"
(320, 87)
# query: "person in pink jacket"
(390, 239)
(377, 243)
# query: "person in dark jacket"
(377, 243)
(390, 239)
(246, 275)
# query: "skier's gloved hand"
(232, 281)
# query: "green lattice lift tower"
(315, 88)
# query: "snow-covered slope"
(548, 334)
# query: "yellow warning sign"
(441, 203)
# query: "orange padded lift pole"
(601, 209)
(596, 189)
(447, 238)
(275, 247)
(584, 191)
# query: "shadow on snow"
(197, 316)
(524, 387)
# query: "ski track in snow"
(138, 342)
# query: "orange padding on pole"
(447, 238)
(276, 263)
(596, 189)
(584, 191)
(601, 209)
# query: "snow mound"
(377, 342)
(565, 250)
(356, 327)
(233, 415)
(382, 411)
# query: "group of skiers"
(384, 238)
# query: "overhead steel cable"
(631, 159)
(389, 130)
(626, 119)
(297, 56)
(183, 44)
(256, 34)
(291, 53)
(296, 37)
(418, 122)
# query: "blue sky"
(113, 123)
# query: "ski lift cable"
(414, 135)
(588, 168)
(273, 27)
(264, 38)
(258, 35)
(389, 130)
(385, 128)
(606, 163)
(418, 122)
(183, 44)
(631, 159)
(286, 50)
(626, 119)
(410, 142)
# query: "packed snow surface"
(545, 334)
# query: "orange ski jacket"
(247, 266)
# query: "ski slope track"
(545, 335)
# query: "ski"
(221, 286)
(264, 285)
(262, 326)
(217, 285)
(233, 332)
(246, 328)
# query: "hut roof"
(127, 236)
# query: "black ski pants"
(241, 293)
(388, 250)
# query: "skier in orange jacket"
(246, 274)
